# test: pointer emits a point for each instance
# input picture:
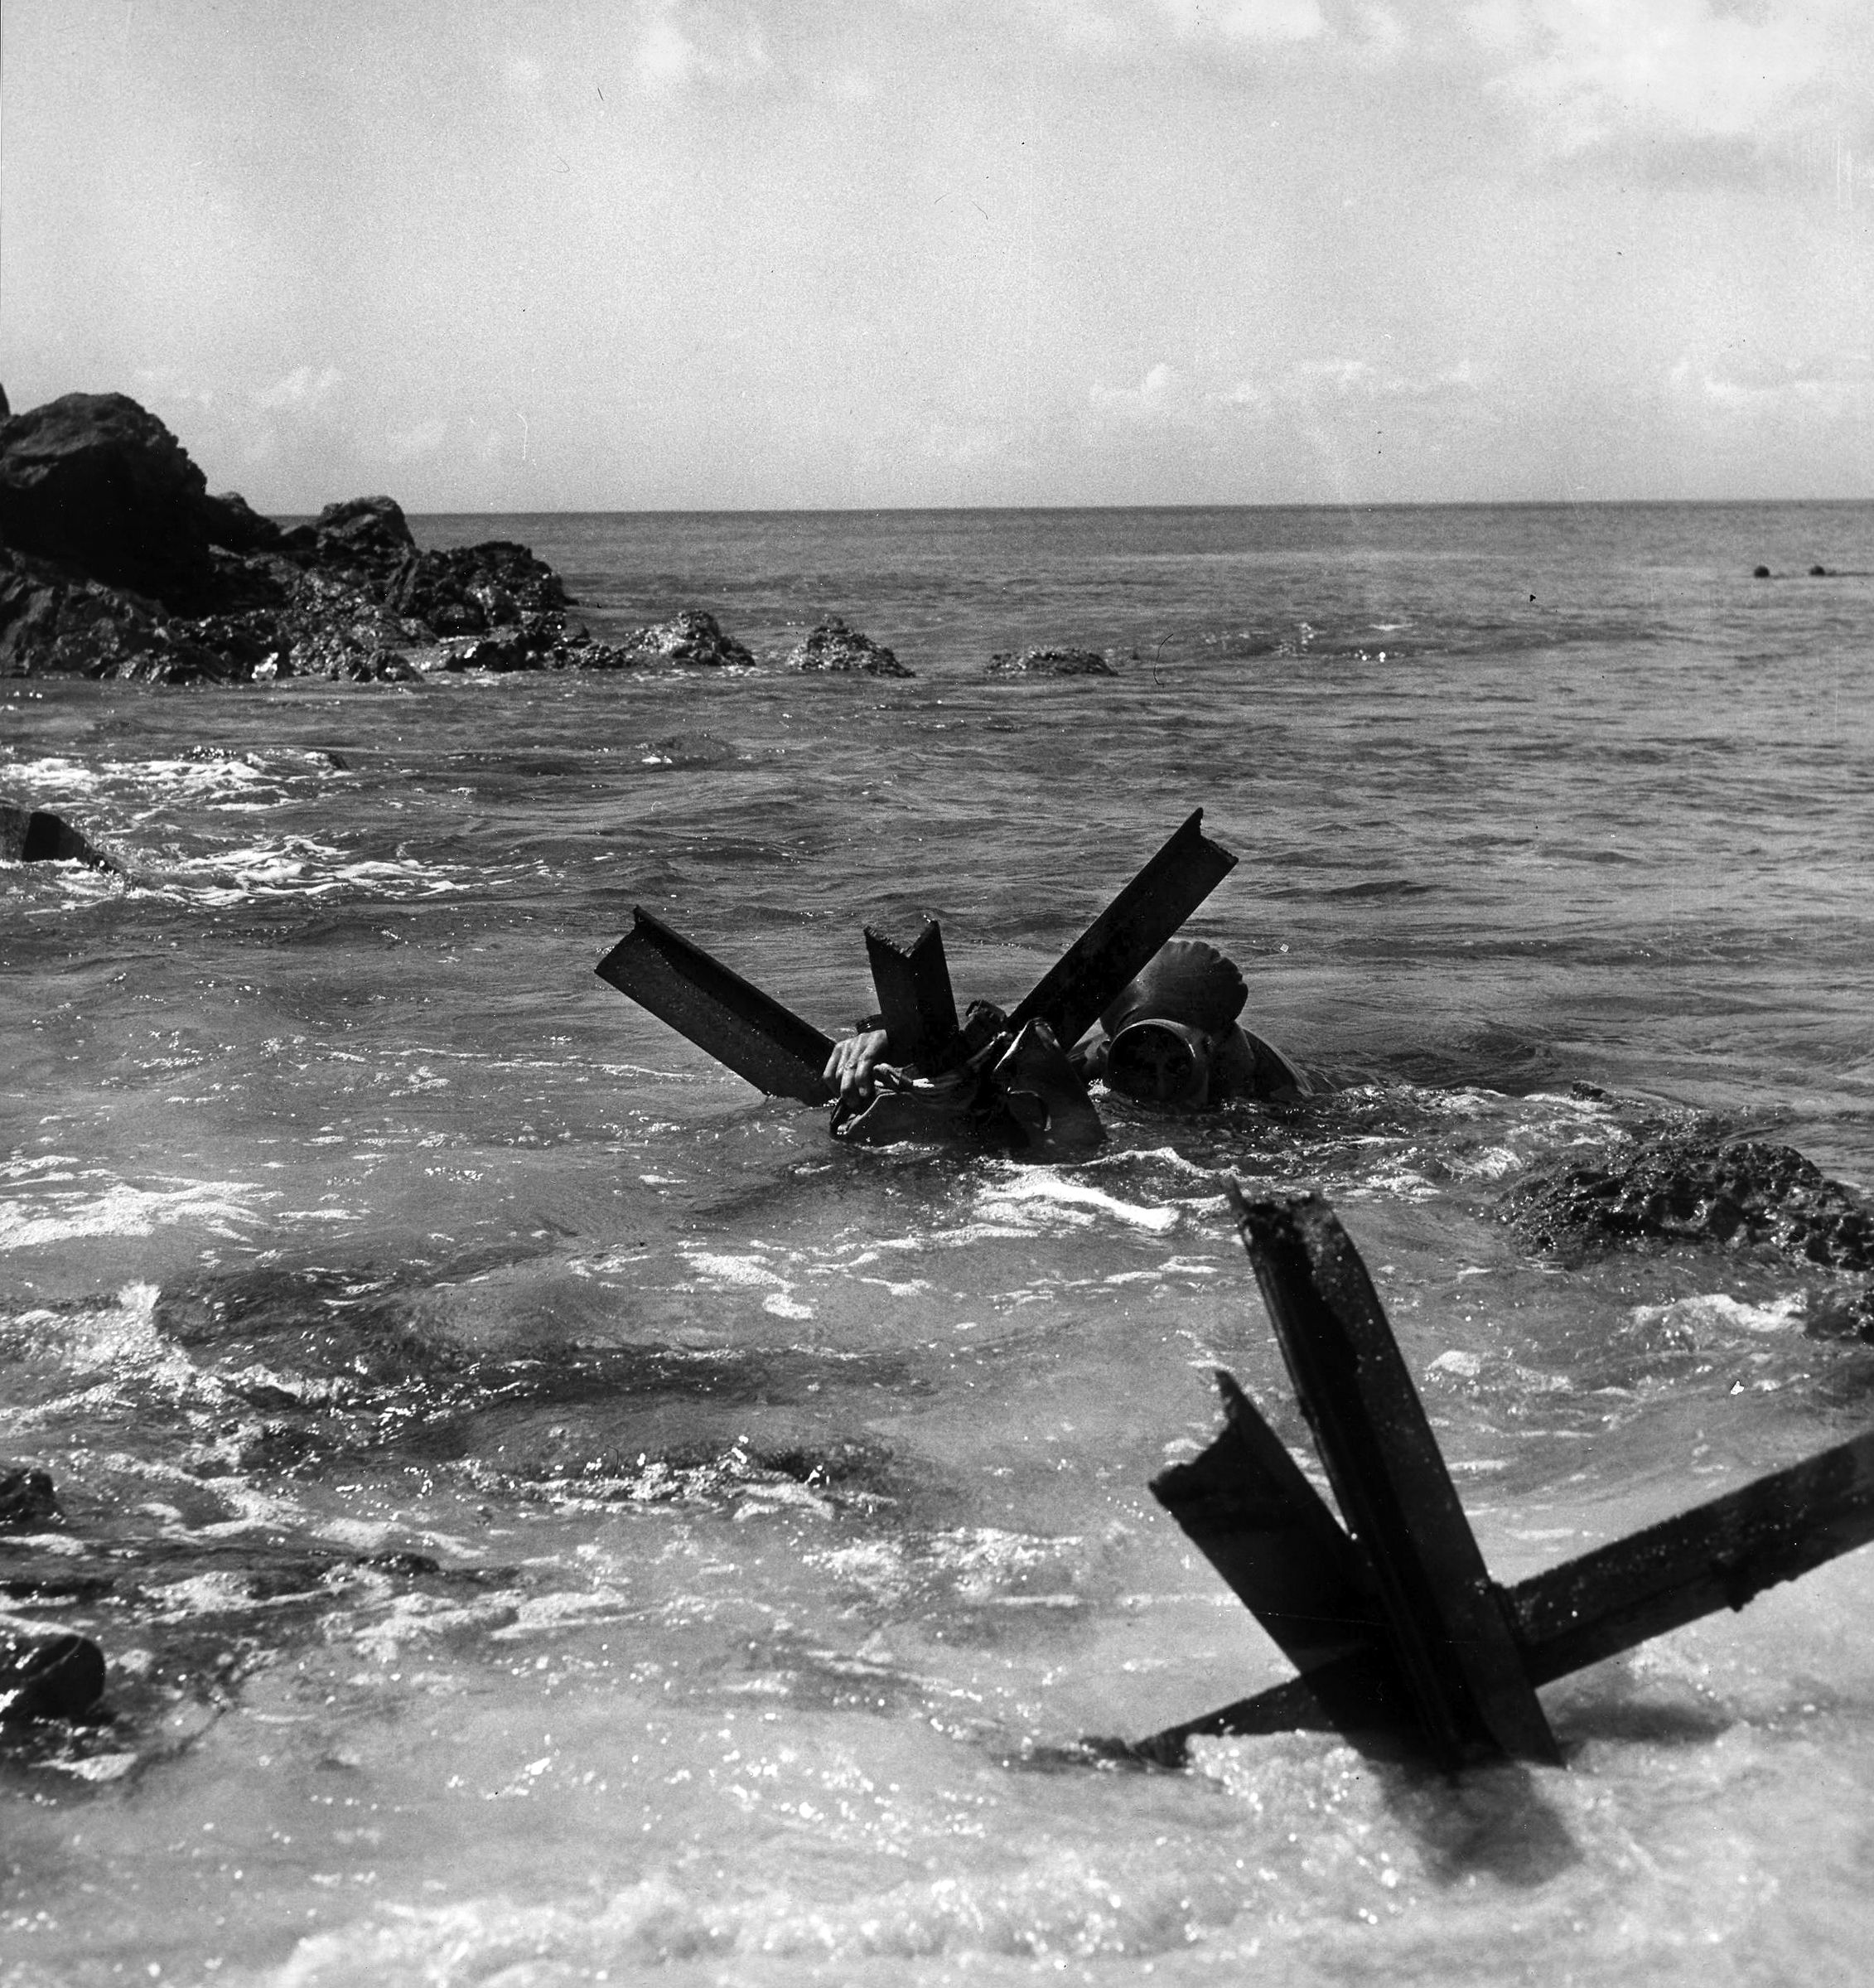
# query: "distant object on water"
(1049, 662)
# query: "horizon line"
(866, 510)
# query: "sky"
(612, 254)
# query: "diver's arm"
(1247, 1066)
(853, 1062)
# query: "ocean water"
(553, 1516)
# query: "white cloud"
(411, 444)
(1595, 70)
(1832, 384)
(302, 390)
(1313, 381)
(1160, 395)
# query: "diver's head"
(1163, 1026)
(1161, 1063)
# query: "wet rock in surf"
(1049, 662)
(1748, 1193)
(691, 636)
(833, 646)
(37, 835)
(44, 1677)
(27, 1497)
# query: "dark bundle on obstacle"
(1401, 1637)
(999, 1079)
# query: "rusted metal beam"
(1716, 1556)
(917, 1003)
(1441, 1656)
(720, 1011)
(1458, 1662)
(1121, 940)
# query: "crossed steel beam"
(779, 1053)
(1391, 1619)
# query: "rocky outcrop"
(689, 637)
(1748, 1193)
(1049, 662)
(833, 645)
(366, 539)
(94, 481)
(115, 563)
(471, 589)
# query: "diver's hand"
(852, 1066)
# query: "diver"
(1170, 1037)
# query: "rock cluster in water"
(1049, 662)
(115, 562)
(835, 646)
(1748, 1193)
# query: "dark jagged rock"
(96, 481)
(235, 527)
(1049, 662)
(115, 564)
(1749, 1193)
(49, 1677)
(583, 652)
(365, 536)
(690, 636)
(26, 1497)
(833, 645)
(35, 835)
(471, 589)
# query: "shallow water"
(554, 1517)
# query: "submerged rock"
(1049, 662)
(834, 645)
(1748, 1193)
(26, 1497)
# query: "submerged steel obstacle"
(1000, 1077)
(1401, 1639)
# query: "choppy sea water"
(553, 1516)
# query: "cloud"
(1161, 395)
(302, 391)
(681, 43)
(411, 444)
(1311, 382)
(1591, 72)
(1834, 386)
